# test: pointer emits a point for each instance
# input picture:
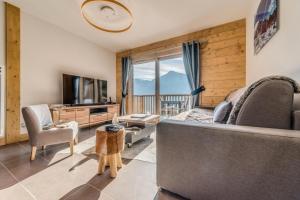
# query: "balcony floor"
(57, 175)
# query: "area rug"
(143, 150)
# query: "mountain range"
(170, 83)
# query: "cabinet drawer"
(110, 116)
(113, 109)
(67, 112)
(67, 117)
(82, 112)
(98, 118)
(82, 120)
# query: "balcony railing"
(170, 105)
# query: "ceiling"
(154, 20)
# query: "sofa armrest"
(216, 161)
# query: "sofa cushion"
(296, 103)
(276, 92)
(296, 120)
(222, 111)
(235, 95)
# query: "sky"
(146, 71)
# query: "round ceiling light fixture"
(107, 15)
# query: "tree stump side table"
(109, 146)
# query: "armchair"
(42, 132)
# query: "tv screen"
(83, 91)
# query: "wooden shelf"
(85, 115)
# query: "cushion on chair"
(222, 111)
(43, 114)
(266, 103)
(235, 95)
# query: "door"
(174, 87)
(161, 87)
(144, 87)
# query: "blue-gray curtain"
(191, 60)
(126, 70)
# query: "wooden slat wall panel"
(223, 59)
(12, 73)
(2, 141)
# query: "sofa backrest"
(270, 105)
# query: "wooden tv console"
(86, 115)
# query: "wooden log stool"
(109, 146)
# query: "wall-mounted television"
(79, 90)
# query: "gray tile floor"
(57, 175)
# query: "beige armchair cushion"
(54, 136)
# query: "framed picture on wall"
(266, 23)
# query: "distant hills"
(170, 83)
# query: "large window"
(144, 79)
(161, 87)
(173, 79)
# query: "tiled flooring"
(57, 175)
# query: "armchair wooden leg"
(76, 139)
(33, 152)
(72, 147)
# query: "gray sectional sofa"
(254, 156)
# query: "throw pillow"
(222, 111)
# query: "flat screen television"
(79, 90)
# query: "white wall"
(48, 51)
(281, 56)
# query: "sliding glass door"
(160, 87)
(144, 87)
(174, 87)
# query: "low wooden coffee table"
(140, 119)
(138, 127)
(109, 146)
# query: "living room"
(123, 99)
